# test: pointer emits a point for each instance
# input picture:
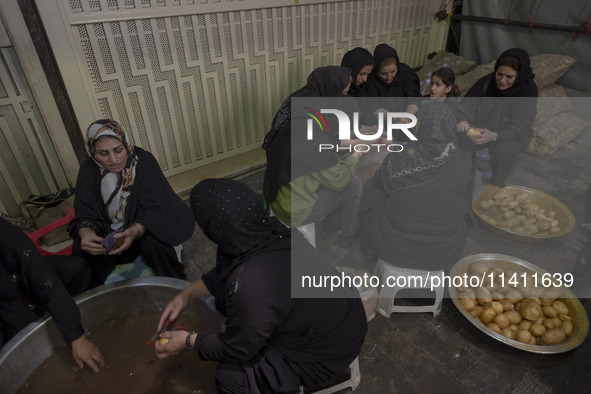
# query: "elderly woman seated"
(415, 211)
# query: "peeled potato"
(553, 336)
(509, 333)
(494, 327)
(468, 303)
(514, 317)
(507, 305)
(526, 325)
(537, 329)
(479, 267)
(471, 132)
(560, 307)
(483, 295)
(523, 336)
(476, 311)
(567, 327)
(530, 309)
(550, 311)
(501, 320)
(487, 315)
(162, 341)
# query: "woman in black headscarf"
(392, 79)
(272, 342)
(415, 211)
(32, 284)
(361, 63)
(502, 107)
(121, 189)
(302, 183)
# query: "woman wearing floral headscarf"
(122, 189)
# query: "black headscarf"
(329, 81)
(381, 53)
(423, 160)
(284, 148)
(404, 73)
(232, 216)
(356, 59)
(522, 87)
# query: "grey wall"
(483, 42)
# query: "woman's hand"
(412, 109)
(462, 127)
(379, 111)
(173, 309)
(370, 130)
(86, 352)
(174, 346)
(357, 155)
(484, 137)
(90, 242)
(129, 235)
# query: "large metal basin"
(563, 214)
(39, 340)
(576, 309)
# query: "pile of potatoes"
(519, 214)
(524, 313)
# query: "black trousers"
(158, 255)
(503, 155)
(72, 271)
(270, 374)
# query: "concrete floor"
(417, 353)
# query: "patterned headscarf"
(115, 187)
(422, 160)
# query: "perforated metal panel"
(197, 81)
(28, 161)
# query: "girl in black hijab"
(502, 106)
(272, 343)
(361, 63)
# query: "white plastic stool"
(414, 279)
(309, 232)
(352, 382)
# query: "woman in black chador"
(32, 284)
(361, 63)
(273, 342)
(415, 211)
(122, 189)
(502, 106)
